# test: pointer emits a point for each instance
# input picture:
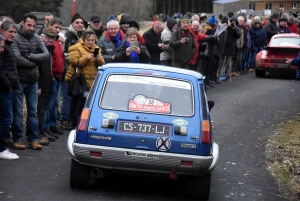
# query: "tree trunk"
(200, 2)
(169, 10)
(179, 6)
(186, 6)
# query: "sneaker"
(55, 130)
(235, 74)
(218, 82)
(64, 125)
(52, 134)
(43, 140)
(213, 82)
(35, 145)
(49, 137)
(251, 70)
(6, 154)
(207, 87)
(19, 145)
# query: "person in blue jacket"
(295, 62)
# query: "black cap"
(75, 17)
(95, 18)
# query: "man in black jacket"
(8, 83)
(183, 44)
(154, 45)
(271, 27)
(29, 50)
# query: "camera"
(187, 40)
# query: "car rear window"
(148, 94)
(285, 42)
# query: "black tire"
(80, 175)
(200, 187)
(260, 73)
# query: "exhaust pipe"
(98, 173)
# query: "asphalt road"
(245, 113)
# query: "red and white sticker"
(142, 103)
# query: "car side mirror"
(210, 104)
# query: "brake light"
(187, 163)
(96, 154)
(205, 132)
(83, 121)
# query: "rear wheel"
(260, 73)
(200, 187)
(80, 174)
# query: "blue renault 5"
(143, 118)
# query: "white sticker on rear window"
(150, 80)
(142, 103)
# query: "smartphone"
(133, 43)
(96, 52)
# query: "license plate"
(143, 128)
(282, 65)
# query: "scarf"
(186, 33)
(116, 39)
(120, 37)
(134, 58)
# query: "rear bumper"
(141, 160)
(273, 67)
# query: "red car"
(273, 58)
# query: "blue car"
(142, 118)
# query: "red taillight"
(83, 121)
(187, 163)
(96, 154)
(205, 132)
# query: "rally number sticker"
(142, 103)
(163, 144)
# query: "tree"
(16, 9)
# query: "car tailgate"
(142, 131)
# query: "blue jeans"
(66, 100)
(298, 73)
(6, 116)
(50, 109)
(31, 95)
(253, 55)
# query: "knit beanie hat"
(212, 20)
(224, 20)
(111, 17)
(75, 17)
(275, 15)
(185, 18)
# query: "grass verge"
(283, 158)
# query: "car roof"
(286, 35)
(152, 67)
